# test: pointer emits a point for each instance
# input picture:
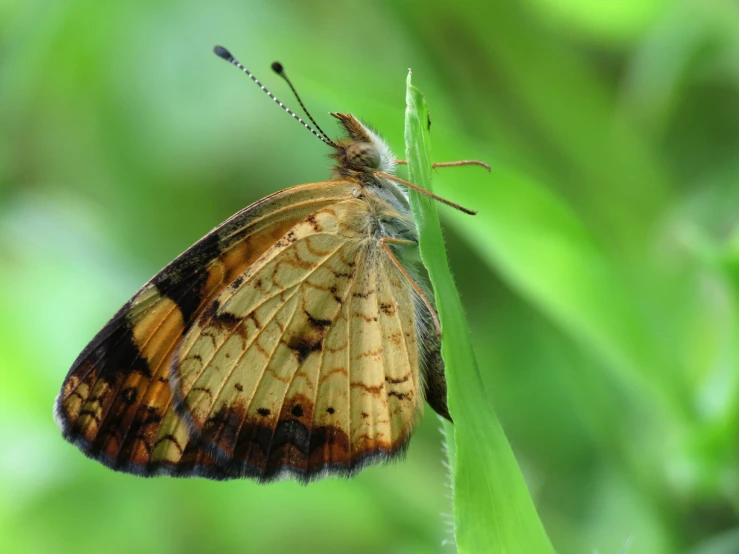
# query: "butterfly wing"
(308, 363)
(116, 401)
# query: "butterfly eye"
(363, 154)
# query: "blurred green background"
(600, 277)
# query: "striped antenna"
(221, 52)
(280, 70)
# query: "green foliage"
(493, 511)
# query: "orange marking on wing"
(374, 390)
(403, 379)
(334, 371)
(317, 287)
(315, 251)
(160, 326)
(376, 354)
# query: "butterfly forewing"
(116, 402)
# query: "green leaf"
(493, 511)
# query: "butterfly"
(295, 339)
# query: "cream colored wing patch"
(307, 362)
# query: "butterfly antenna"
(280, 70)
(221, 52)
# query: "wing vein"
(204, 366)
(344, 305)
(349, 369)
(238, 360)
(259, 383)
(271, 215)
(151, 380)
(380, 278)
(97, 341)
(416, 385)
(298, 287)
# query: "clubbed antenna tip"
(280, 70)
(221, 52)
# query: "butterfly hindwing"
(308, 362)
(116, 402)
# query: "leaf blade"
(493, 511)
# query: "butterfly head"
(363, 150)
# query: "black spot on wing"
(302, 346)
(182, 281)
(363, 295)
(292, 432)
(227, 319)
(210, 311)
(129, 395)
(114, 350)
(319, 324)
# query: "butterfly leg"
(425, 192)
(385, 241)
(451, 164)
